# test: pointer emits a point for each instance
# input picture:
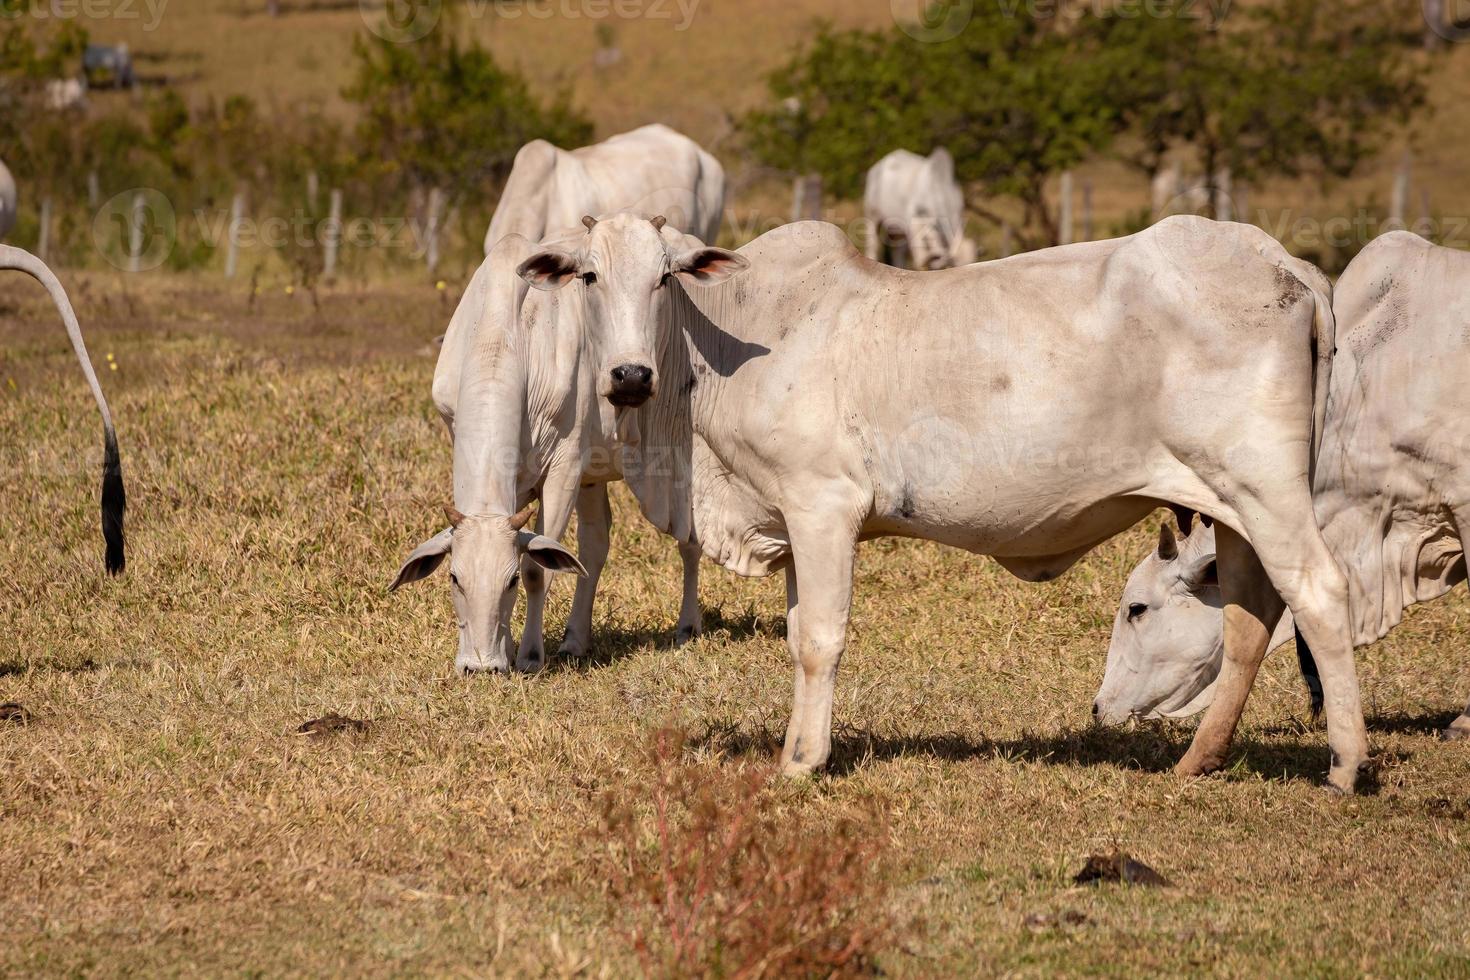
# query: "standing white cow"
(526, 420)
(916, 211)
(8, 200)
(1029, 409)
(114, 498)
(1392, 485)
(652, 168)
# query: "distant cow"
(1392, 485)
(784, 402)
(9, 200)
(916, 212)
(526, 421)
(114, 499)
(653, 169)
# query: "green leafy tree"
(440, 114)
(1286, 88)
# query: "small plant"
(712, 881)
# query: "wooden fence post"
(334, 235)
(1398, 201)
(1005, 239)
(1064, 225)
(436, 218)
(1087, 210)
(135, 234)
(806, 198)
(232, 252)
(43, 247)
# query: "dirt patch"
(1118, 866)
(14, 713)
(332, 724)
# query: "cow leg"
(793, 647)
(594, 529)
(1252, 609)
(552, 521)
(823, 562)
(691, 619)
(1307, 578)
(1459, 728)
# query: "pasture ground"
(159, 815)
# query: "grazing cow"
(8, 200)
(1028, 408)
(114, 498)
(526, 421)
(1392, 487)
(916, 211)
(652, 168)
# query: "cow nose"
(472, 670)
(632, 385)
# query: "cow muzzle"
(632, 385)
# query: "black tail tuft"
(114, 504)
(1308, 665)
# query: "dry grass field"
(160, 814)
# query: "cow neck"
(490, 422)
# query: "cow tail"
(114, 497)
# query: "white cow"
(916, 211)
(1028, 408)
(114, 498)
(526, 420)
(8, 200)
(652, 168)
(1392, 485)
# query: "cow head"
(1168, 636)
(485, 553)
(623, 265)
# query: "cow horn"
(659, 222)
(455, 517)
(1168, 547)
(522, 517)
(589, 221)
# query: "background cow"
(8, 200)
(819, 399)
(916, 212)
(1392, 488)
(652, 168)
(114, 498)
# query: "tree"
(1285, 88)
(442, 115)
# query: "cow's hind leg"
(1459, 728)
(823, 552)
(1252, 609)
(691, 620)
(594, 530)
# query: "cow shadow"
(17, 668)
(1151, 750)
(613, 644)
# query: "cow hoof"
(1192, 765)
(469, 671)
(685, 635)
(1458, 730)
(798, 770)
(531, 662)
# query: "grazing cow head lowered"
(623, 264)
(1168, 636)
(484, 572)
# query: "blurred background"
(141, 132)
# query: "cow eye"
(515, 580)
(589, 278)
(1135, 610)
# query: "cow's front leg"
(594, 529)
(691, 619)
(823, 555)
(1252, 609)
(1459, 728)
(552, 521)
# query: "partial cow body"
(1392, 491)
(652, 168)
(916, 212)
(8, 200)
(1026, 409)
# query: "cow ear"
(549, 269)
(1202, 573)
(1168, 547)
(424, 559)
(548, 553)
(708, 265)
